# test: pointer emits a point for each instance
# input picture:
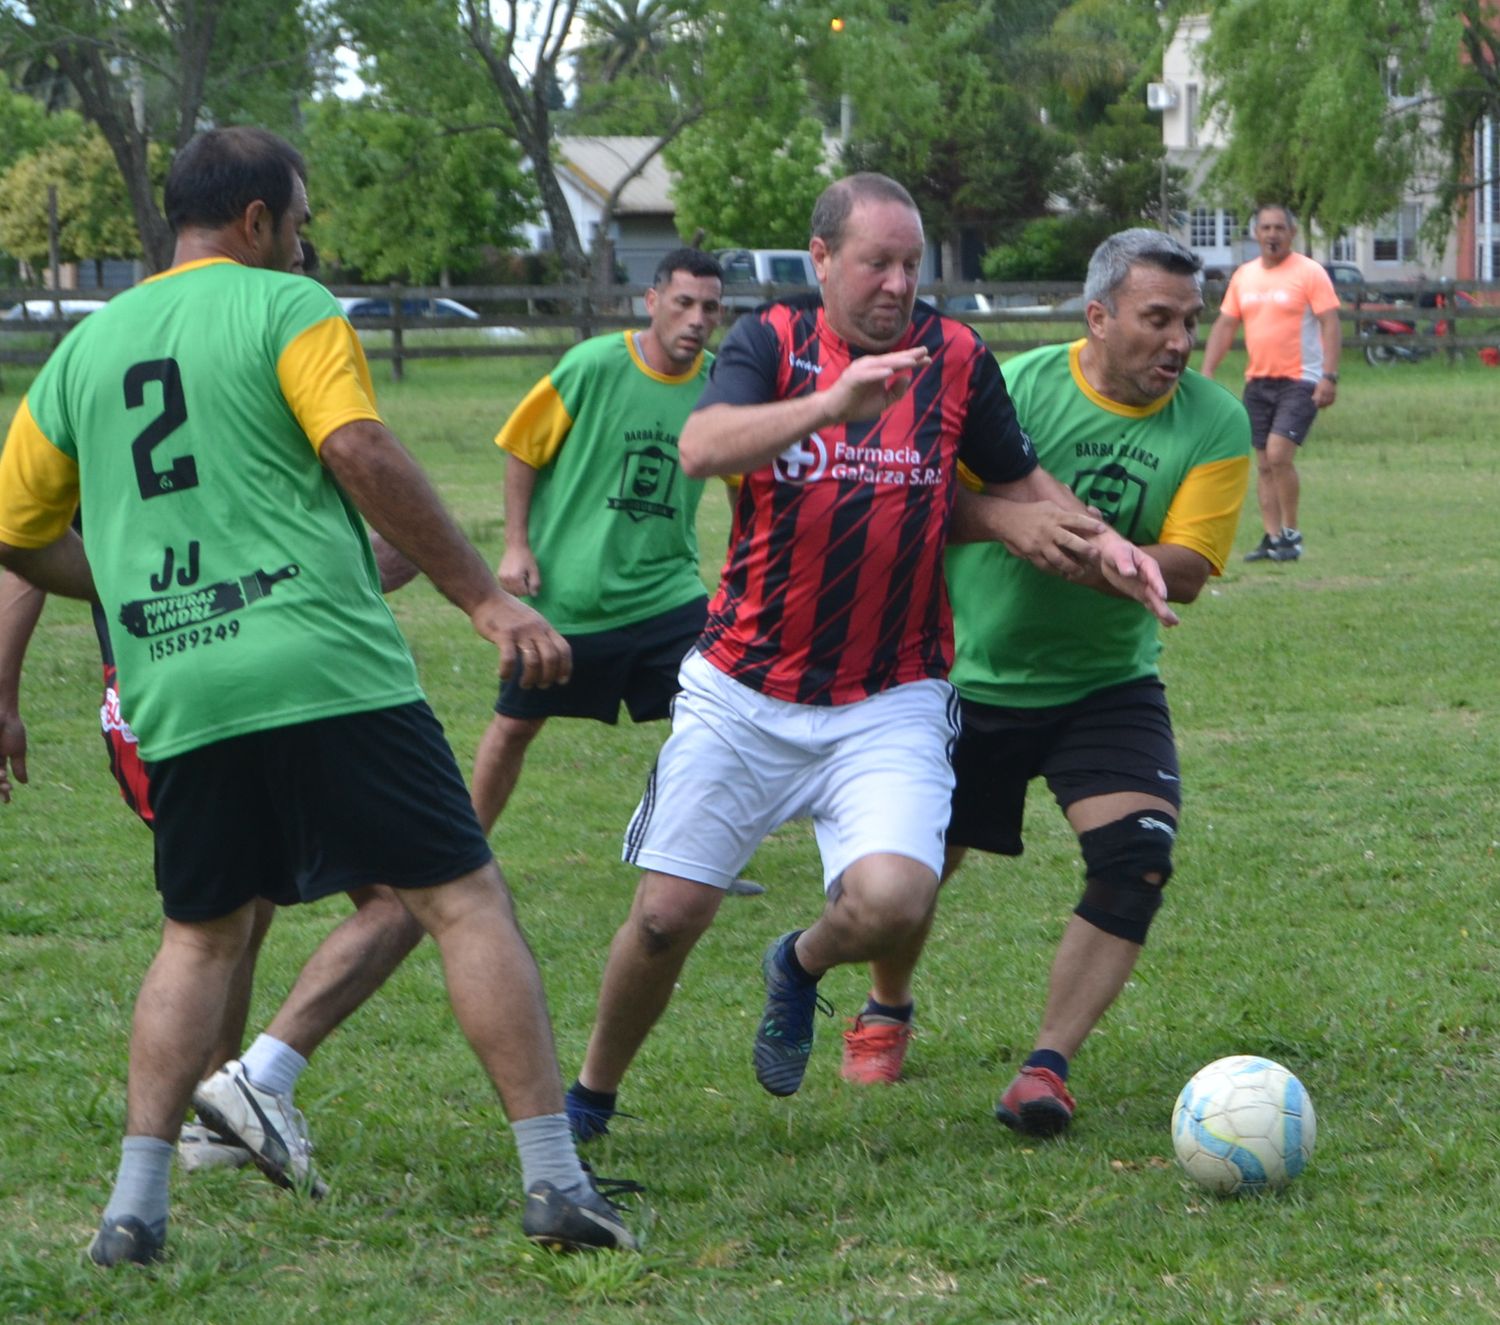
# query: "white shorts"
(873, 776)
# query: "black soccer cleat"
(128, 1240)
(584, 1221)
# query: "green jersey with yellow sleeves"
(237, 577)
(613, 518)
(1174, 471)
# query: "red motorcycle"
(1380, 353)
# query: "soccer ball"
(1243, 1124)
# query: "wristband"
(1331, 377)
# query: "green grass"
(1333, 908)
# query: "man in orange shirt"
(1292, 337)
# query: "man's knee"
(669, 914)
(225, 939)
(381, 907)
(513, 735)
(887, 894)
(478, 893)
(1126, 863)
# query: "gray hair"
(1113, 259)
(1272, 207)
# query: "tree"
(950, 120)
(26, 126)
(93, 217)
(1338, 107)
(399, 200)
(153, 73)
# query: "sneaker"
(269, 1126)
(1264, 550)
(783, 1044)
(128, 1239)
(200, 1147)
(874, 1051)
(1288, 547)
(586, 1221)
(1036, 1103)
(588, 1121)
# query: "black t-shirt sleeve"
(993, 445)
(744, 371)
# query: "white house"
(1392, 249)
(643, 229)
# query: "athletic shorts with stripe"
(873, 776)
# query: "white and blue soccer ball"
(1243, 1124)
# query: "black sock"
(602, 1100)
(873, 1008)
(1051, 1060)
(789, 960)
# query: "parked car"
(745, 268)
(414, 312)
(1349, 282)
(45, 310)
(961, 305)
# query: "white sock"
(141, 1182)
(272, 1065)
(545, 1146)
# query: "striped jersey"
(833, 587)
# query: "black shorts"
(1282, 405)
(1119, 739)
(635, 665)
(296, 813)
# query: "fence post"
(396, 337)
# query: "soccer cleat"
(745, 888)
(269, 1126)
(1036, 1103)
(783, 1044)
(586, 1221)
(200, 1148)
(1288, 547)
(874, 1051)
(128, 1240)
(1264, 550)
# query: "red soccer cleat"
(1036, 1103)
(874, 1051)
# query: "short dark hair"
(222, 171)
(836, 202)
(309, 257)
(694, 261)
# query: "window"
(1208, 228)
(1203, 228)
(788, 271)
(1343, 248)
(1396, 235)
(1190, 113)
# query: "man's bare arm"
(20, 609)
(737, 439)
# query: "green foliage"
(1049, 248)
(26, 126)
(1119, 166)
(1338, 108)
(93, 213)
(942, 116)
(398, 198)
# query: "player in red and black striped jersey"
(818, 689)
(833, 590)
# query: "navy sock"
(1050, 1059)
(603, 1100)
(874, 1008)
(788, 958)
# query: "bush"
(1050, 248)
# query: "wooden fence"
(541, 320)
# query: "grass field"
(1333, 908)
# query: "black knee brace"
(1118, 898)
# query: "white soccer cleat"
(269, 1126)
(200, 1148)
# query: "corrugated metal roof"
(597, 165)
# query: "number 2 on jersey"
(183, 471)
